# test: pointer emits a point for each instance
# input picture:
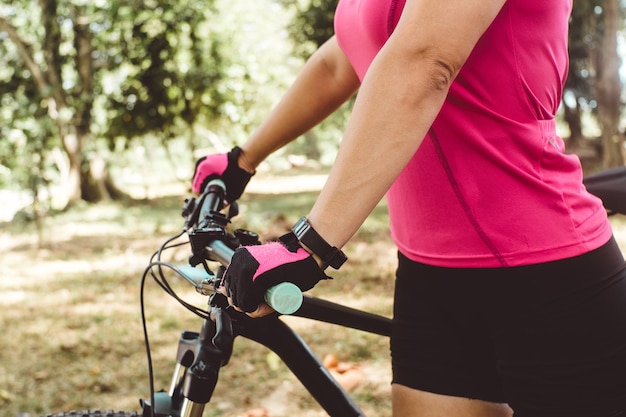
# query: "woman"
(510, 288)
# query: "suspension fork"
(198, 361)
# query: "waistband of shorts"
(606, 260)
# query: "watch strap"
(329, 255)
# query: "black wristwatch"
(330, 255)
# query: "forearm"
(325, 83)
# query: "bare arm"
(325, 83)
(399, 99)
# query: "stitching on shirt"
(464, 205)
(390, 17)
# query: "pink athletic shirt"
(490, 186)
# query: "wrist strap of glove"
(330, 255)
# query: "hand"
(255, 269)
(226, 167)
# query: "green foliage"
(159, 68)
(169, 64)
(258, 63)
(25, 131)
(312, 25)
(45, 90)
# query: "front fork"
(198, 361)
(201, 355)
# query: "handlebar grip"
(285, 298)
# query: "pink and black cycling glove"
(224, 166)
(255, 269)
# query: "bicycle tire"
(95, 413)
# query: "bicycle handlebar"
(286, 297)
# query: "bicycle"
(201, 354)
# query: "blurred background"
(110, 99)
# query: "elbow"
(441, 72)
(438, 67)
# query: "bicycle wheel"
(95, 413)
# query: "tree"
(24, 141)
(135, 71)
(43, 66)
(578, 87)
(66, 56)
(609, 87)
(593, 86)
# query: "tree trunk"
(609, 88)
(573, 118)
(73, 150)
(84, 182)
(312, 148)
(97, 184)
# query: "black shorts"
(549, 340)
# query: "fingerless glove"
(224, 166)
(255, 269)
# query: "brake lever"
(224, 335)
(189, 212)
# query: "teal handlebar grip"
(285, 298)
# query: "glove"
(255, 269)
(224, 166)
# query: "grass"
(71, 330)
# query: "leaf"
(6, 395)
(273, 361)
(349, 376)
